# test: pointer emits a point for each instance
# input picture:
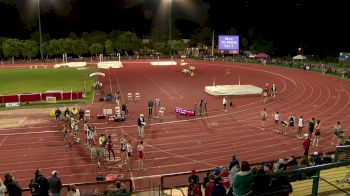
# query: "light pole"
(170, 27)
(40, 38)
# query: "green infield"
(18, 81)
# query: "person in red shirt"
(306, 144)
(225, 177)
(109, 146)
(209, 185)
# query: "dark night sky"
(317, 25)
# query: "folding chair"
(137, 96)
(129, 96)
(87, 114)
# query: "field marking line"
(28, 133)
(3, 140)
(110, 80)
(161, 88)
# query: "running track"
(180, 144)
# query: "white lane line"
(28, 133)
(3, 140)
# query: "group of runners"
(99, 145)
(287, 127)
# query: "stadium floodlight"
(40, 36)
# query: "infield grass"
(17, 81)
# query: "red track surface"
(180, 144)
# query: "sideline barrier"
(41, 97)
(92, 188)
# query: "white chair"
(87, 114)
(137, 96)
(109, 112)
(129, 96)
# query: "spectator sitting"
(317, 158)
(218, 189)
(292, 162)
(243, 180)
(73, 191)
(261, 182)
(120, 189)
(326, 158)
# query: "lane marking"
(3, 140)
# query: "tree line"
(128, 43)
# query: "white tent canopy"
(299, 57)
(97, 74)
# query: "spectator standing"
(2, 188)
(224, 102)
(73, 191)
(306, 144)
(194, 188)
(233, 162)
(150, 107)
(12, 186)
(55, 184)
(141, 125)
(206, 179)
(263, 118)
(58, 114)
(209, 185)
(300, 126)
(39, 185)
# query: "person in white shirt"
(2, 188)
(141, 125)
(224, 102)
(300, 126)
(276, 118)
